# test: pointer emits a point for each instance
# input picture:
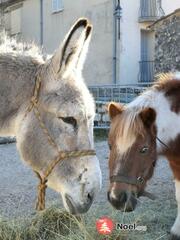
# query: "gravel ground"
(18, 189)
(18, 182)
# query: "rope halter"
(61, 155)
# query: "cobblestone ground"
(18, 186)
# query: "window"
(57, 5)
(15, 21)
(147, 56)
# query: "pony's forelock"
(125, 128)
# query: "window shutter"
(54, 5)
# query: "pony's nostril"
(123, 197)
(134, 195)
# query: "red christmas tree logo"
(104, 225)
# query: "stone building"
(167, 43)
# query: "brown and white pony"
(140, 131)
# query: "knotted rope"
(43, 178)
(40, 205)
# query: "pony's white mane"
(10, 45)
(128, 125)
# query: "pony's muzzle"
(77, 208)
(122, 200)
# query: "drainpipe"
(41, 22)
(114, 43)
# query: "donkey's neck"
(167, 121)
(17, 79)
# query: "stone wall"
(105, 94)
(5, 140)
(167, 43)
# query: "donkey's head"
(67, 110)
(132, 153)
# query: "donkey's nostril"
(108, 195)
(90, 197)
(79, 207)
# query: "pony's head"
(132, 142)
(67, 110)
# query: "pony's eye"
(69, 120)
(144, 150)
(110, 147)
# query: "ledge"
(58, 11)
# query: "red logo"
(104, 225)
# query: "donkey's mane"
(11, 46)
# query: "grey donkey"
(67, 109)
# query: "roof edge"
(7, 3)
(163, 18)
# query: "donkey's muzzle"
(76, 208)
(122, 200)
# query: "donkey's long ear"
(148, 116)
(114, 109)
(71, 55)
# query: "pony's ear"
(114, 109)
(148, 116)
(71, 55)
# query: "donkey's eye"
(69, 120)
(110, 147)
(144, 150)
